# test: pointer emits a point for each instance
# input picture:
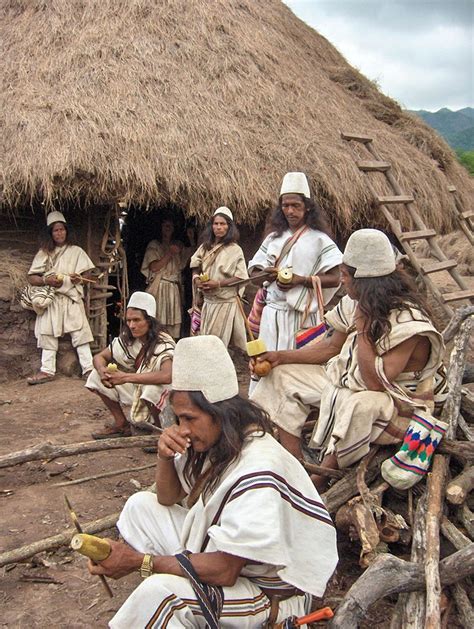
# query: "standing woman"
(299, 241)
(61, 265)
(162, 265)
(222, 260)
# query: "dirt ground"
(32, 508)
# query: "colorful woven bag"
(255, 314)
(317, 332)
(412, 461)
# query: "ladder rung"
(103, 287)
(356, 137)
(401, 198)
(460, 294)
(434, 267)
(418, 235)
(452, 188)
(468, 214)
(368, 165)
(100, 296)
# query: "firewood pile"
(432, 523)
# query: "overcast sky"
(421, 52)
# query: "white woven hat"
(224, 210)
(370, 252)
(55, 217)
(143, 301)
(295, 183)
(202, 363)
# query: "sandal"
(40, 378)
(111, 432)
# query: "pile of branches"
(431, 588)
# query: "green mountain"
(456, 127)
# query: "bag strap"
(318, 294)
(209, 597)
(285, 250)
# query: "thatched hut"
(193, 104)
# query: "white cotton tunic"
(312, 254)
(66, 313)
(264, 509)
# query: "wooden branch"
(460, 487)
(453, 534)
(457, 361)
(62, 539)
(436, 483)
(466, 518)
(346, 488)
(323, 471)
(467, 404)
(51, 451)
(453, 326)
(464, 427)
(462, 450)
(463, 604)
(124, 470)
(390, 575)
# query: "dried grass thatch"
(198, 103)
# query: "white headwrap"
(295, 183)
(202, 363)
(370, 252)
(143, 301)
(55, 217)
(224, 210)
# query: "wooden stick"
(460, 487)
(51, 451)
(466, 518)
(463, 604)
(464, 427)
(62, 539)
(244, 317)
(467, 404)
(453, 534)
(259, 276)
(86, 479)
(323, 471)
(462, 450)
(390, 575)
(454, 324)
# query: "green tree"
(466, 158)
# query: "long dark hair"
(208, 238)
(379, 296)
(235, 417)
(47, 243)
(315, 217)
(154, 335)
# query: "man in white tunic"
(235, 521)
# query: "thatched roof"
(198, 103)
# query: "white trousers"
(166, 601)
(48, 357)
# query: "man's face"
(201, 429)
(220, 227)
(59, 234)
(137, 323)
(348, 282)
(294, 209)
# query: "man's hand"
(210, 285)
(274, 358)
(296, 280)
(173, 440)
(75, 278)
(122, 561)
(272, 272)
(52, 280)
(114, 378)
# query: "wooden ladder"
(466, 219)
(388, 203)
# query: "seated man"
(142, 356)
(379, 336)
(253, 525)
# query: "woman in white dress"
(63, 266)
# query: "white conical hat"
(370, 252)
(224, 210)
(295, 183)
(143, 301)
(202, 363)
(55, 217)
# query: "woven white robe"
(312, 254)
(264, 509)
(66, 313)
